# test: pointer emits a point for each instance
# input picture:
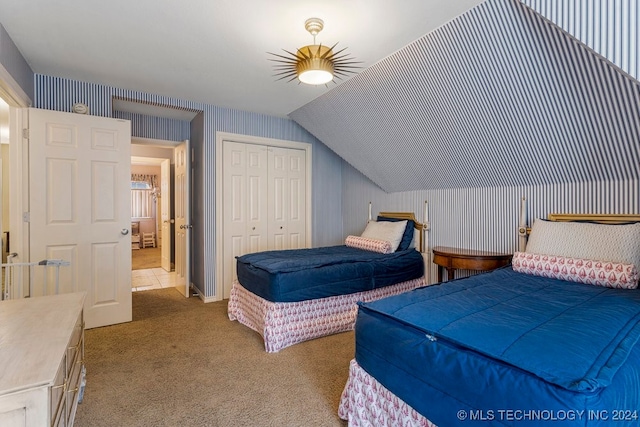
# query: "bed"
(549, 340)
(292, 296)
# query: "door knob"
(124, 231)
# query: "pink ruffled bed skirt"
(283, 324)
(367, 403)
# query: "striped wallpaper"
(55, 93)
(498, 96)
(483, 218)
(609, 27)
(487, 217)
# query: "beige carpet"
(182, 362)
(145, 258)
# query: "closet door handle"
(124, 231)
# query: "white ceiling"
(209, 51)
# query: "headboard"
(599, 218)
(524, 231)
(420, 227)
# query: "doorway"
(150, 195)
(4, 179)
(14, 231)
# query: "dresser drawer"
(73, 384)
(75, 343)
(57, 395)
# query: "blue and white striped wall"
(609, 27)
(60, 94)
(483, 218)
(481, 215)
(498, 96)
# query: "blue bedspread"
(504, 340)
(303, 274)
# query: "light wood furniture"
(148, 240)
(42, 360)
(467, 259)
(135, 235)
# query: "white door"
(80, 207)
(245, 187)
(165, 215)
(182, 216)
(287, 198)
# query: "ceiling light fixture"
(314, 64)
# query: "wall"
(483, 218)
(60, 94)
(498, 96)
(140, 150)
(15, 64)
(610, 28)
(198, 208)
(487, 217)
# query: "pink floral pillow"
(601, 273)
(367, 244)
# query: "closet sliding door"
(264, 202)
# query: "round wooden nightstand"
(467, 259)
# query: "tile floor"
(152, 278)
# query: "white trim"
(19, 183)
(19, 101)
(11, 91)
(248, 139)
(164, 143)
(200, 295)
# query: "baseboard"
(202, 297)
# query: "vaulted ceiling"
(499, 96)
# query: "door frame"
(19, 101)
(185, 194)
(219, 231)
(163, 145)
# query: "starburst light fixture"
(314, 64)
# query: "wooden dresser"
(41, 360)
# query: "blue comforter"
(533, 342)
(304, 274)
(287, 261)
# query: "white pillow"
(602, 242)
(391, 231)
